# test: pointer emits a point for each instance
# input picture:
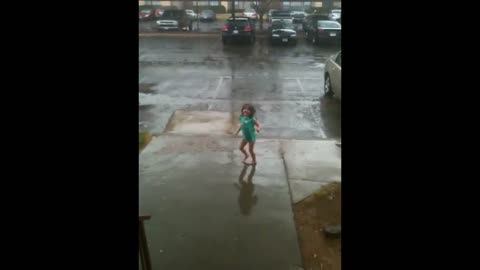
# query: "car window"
(237, 23)
(339, 59)
(281, 14)
(328, 24)
(282, 25)
(172, 13)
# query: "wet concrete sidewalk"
(208, 214)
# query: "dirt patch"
(312, 216)
(143, 139)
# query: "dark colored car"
(283, 32)
(326, 31)
(174, 20)
(207, 15)
(238, 29)
(311, 20)
(146, 14)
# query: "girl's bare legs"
(242, 148)
(251, 145)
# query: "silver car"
(333, 76)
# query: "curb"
(192, 34)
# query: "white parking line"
(219, 87)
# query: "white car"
(191, 14)
(335, 14)
(333, 76)
(250, 13)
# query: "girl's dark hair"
(248, 107)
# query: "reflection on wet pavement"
(247, 198)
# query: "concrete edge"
(193, 34)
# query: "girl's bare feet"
(245, 160)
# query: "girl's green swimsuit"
(248, 128)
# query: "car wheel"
(190, 27)
(328, 87)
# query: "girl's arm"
(240, 127)
(257, 125)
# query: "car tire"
(190, 27)
(327, 87)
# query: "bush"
(155, 7)
(237, 10)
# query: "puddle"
(145, 87)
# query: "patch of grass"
(143, 139)
(327, 190)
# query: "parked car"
(191, 14)
(269, 15)
(238, 29)
(335, 14)
(280, 15)
(333, 76)
(298, 15)
(174, 20)
(159, 12)
(250, 13)
(311, 20)
(208, 15)
(283, 32)
(325, 31)
(146, 14)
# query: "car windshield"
(172, 13)
(282, 25)
(336, 11)
(145, 11)
(328, 24)
(281, 13)
(240, 23)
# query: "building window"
(214, 3)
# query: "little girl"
(248, 126)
